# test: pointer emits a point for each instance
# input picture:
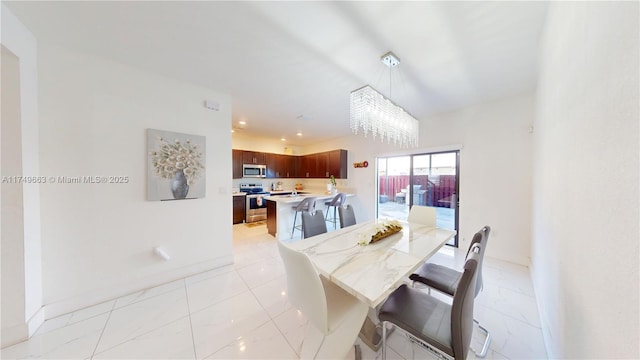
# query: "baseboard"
(546, 336)
(36, 321)
(102, 295)
(14, 334)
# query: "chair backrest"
(304, 287)
(425, 215)
(307, 204)
(338, 200)
(462, 307)
(485, 239)
(313, 225)
(481, 237)
(347, 217)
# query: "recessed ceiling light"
(242, 122)
(233, 131)
(299, 133)
(283, 139)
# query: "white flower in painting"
(172, 157)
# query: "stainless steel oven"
(256, 207)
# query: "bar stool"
(336, 202)
(307, 204)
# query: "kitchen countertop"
(282, 192)
(273, 193)
(286, 199)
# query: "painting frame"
(176, 165)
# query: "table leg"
(371, 333)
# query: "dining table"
(373, 271)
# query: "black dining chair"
(441, 328)
(313, 224)
(446, 280)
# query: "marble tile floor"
(241, 311)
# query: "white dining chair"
(425, 215)
(335, 316)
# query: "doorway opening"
(429, 179)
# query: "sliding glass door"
(420, 179)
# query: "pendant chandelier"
(373, 112)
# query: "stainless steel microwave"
(254, 171)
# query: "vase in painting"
(179, 185)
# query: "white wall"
(495, 169)
(98, 238)
(26, 243)
(13, 284)
(253, 143)
(585, 217)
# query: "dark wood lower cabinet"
(239, 203)
(272, 219)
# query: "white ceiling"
(290, 66)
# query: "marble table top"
(371, 272)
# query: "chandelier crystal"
(373, 112)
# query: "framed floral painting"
(175, 165)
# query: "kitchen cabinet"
(239, 202)
(322, 165)
(252, 157)
(290, 164)
(275, 165)
(338, 164)
(312, 166)
(237, 161)
(272, 217)
(308, 166)
(297, 167)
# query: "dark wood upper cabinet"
(308, 166)
(275, 166)
(322, 165)
(237, 161)
(290, 166)
(338, 166)
(252, 157)
(297, 163)
(313, 166)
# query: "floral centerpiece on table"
(379, 231)
(174, 157)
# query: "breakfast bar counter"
(280, 212)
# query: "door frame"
(409, 198)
